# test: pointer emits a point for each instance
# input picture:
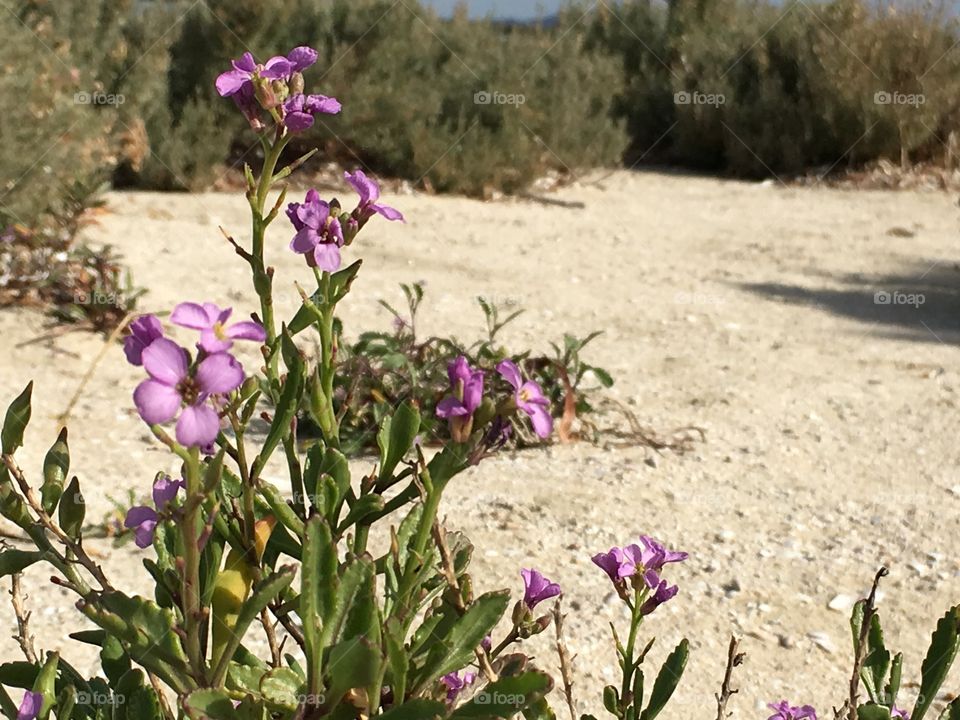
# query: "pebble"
(842, 603)
(822, 641)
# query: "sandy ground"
(748, 310)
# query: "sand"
(746, 309)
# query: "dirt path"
(746, 309)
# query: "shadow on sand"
(920, 304)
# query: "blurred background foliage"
(599, 81)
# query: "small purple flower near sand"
(466, 392)
(211, 320)
(529, 398)
(537, 588)
(143, 519)
(143, 331)
(621, 563)
(300, 110)
(784, 711)
(455, 683)
(173, 386)
(246, 68)
(30, 706)
(896, 712)
(319, 235)
(369, 193)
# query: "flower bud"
(485, 412)
(280, 90)
(521, 614)
(265, 94)
(56, 465)
(296, 84)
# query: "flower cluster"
(641, 565)
(320, 228)
(277, 87)
(465, 398)
(456, 683)
(180, 384)
(143, 519)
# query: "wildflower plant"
(362, 599)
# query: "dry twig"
(734, 659)
(566, 661)
(23, 636)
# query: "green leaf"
(873, 712)
(282, 688)
(352, 663)
(539, 710)
(114, 659)
(398, 661)
(396, 437)
(456, 648)
(953, 710)
(611, 700)
(318, 586)
(73, 509)
(209, 704)
(667, 680)
(876, 663)
(356, 575)
(506, 697)
(14, 561)
(16, 421)
(364, 506)
(56, 465)
(288, 403)
(940, 656)
(893, 687)
(602, 376)
(45, 684)
(418, 709)
(263, 593)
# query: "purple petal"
(246, 63)
(291, 211)
(510, 372)
(276, 68)
(451, 407)
(301, 58)
(30, 706)
(327, 257)
(367, 189)
(198, 426)
(193, 315)
(388, 212)
(143, 331)
(473, 391)
(231, 81)
(459, 371)
(298, 121)
(314, 214)
(305, 240)
(322, 104)
(541, 420)
(165, 490)
(211, 343)
(143, 533)
(156, 402)
(219, 373)
(165, 361)
(138, 515)
(247, 330)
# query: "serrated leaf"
(667, 680)
(282, 687)
(940, 656)
(352, 663)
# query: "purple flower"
(784, 711)
(211, 321)
(246, 69)
(30, 706)
(319, 235)
(300, 109)
(529, 398)
(143, 519)
(143, 331)
(537, 588)
(455, 684)
(661, 594)
(172, 385)
(896, 712)
(466, 392)
(369, 193)
(620, 563)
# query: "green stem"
(191, 558)
(636, 618)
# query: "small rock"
(842, 603)
(724, 536)
(652, 461)
(731, 587)
(822, 641)
(786, 641)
